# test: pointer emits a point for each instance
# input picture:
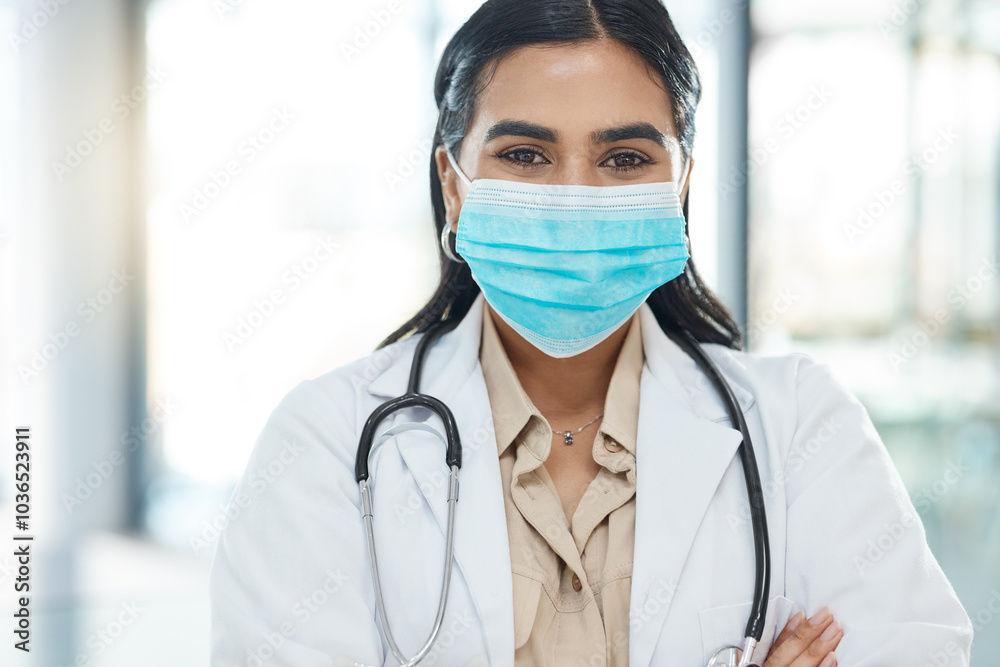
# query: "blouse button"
(577, 584)
(612, 446)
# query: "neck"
(562, 389)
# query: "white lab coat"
(291, 583)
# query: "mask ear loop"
(454, 165)
(684, 206)
(679, 184)
(446, 229)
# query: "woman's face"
(587, 113)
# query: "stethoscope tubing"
(413, 398)
(762, 550)
(449, 549)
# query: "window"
(288, 145)
(875, 143)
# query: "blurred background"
(201, 200)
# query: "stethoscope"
(727, 656)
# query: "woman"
(604, 516)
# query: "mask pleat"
(567, 265)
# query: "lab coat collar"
(668, 363)
(684, 447)
(457, 351)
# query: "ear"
(687, 180)
(451, 185)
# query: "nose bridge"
(576, 169)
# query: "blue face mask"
(567, 265)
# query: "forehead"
(574, 88)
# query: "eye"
(626, 161)
(522, 157)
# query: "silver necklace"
(568, 435)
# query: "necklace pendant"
(568, 437)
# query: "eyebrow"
(631, 131)
(520, 128)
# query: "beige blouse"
(571, 580)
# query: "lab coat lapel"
(684, 446)
(681, 456)
(452, 374)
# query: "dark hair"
(501, 26)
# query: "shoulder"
(791, 372)
(797, 384)
(329, 410)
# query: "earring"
(446, 244)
